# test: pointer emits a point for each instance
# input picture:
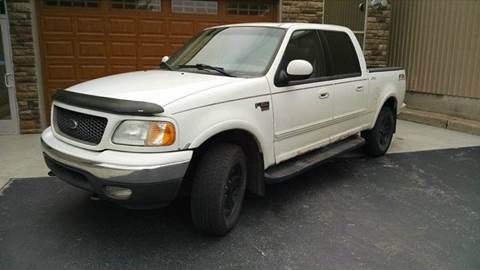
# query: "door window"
(2, 7)
(305, 45)
(8, 113)
(5, 113)
(341, 53)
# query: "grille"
(79, 126)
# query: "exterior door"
(349, 13)
(8, 112)
(302, 110)
(349, 90)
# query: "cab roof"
(288, 25)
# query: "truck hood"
(157, 86)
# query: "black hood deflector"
(110, 105)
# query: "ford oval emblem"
(73, 124)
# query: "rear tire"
(219, 188)
(379, 138)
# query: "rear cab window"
(342, 57)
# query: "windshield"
(240, 51)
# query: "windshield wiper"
(168, 66)
(208, 67)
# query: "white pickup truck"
(238, 107)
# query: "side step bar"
(300, 164)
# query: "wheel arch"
(390, 101)
(244, 137)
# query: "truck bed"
(383, 69)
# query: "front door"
(303, 110)
(8, 112)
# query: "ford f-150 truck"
(238, 107)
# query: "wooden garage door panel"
(92, 49)
(90, 26)
(59, 49)
(57, 25)
(123, 50)
(88, 72)
(148, 50)
(155, 28)
(115, 69)
(80, 43)
(123, 27)
(61, 73)
(181, 28)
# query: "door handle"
(6, 79)
(323, 95)
(359, 88)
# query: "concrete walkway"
(20, 155)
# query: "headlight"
(145, 133)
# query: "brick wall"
(377, 36)
(20, 18)
(302, 11)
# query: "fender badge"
(264, 106)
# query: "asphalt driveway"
(416, 210)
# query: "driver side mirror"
(296, 70)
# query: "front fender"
(238, 124)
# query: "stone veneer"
(20, 18)
(302, 11)
(377, 35)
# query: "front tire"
(379, 138)
(218, 188)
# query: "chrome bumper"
(119, 173)
(153, 178)
(116, 165)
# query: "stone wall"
(377, 36)
(20, 18)
(302, 11)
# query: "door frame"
(365, 21)
(9, 126)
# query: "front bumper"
(154, 179)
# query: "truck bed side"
(385, 83)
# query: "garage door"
(86, 39)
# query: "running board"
(300, 164)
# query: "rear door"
(302, 109)
(348, 93)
